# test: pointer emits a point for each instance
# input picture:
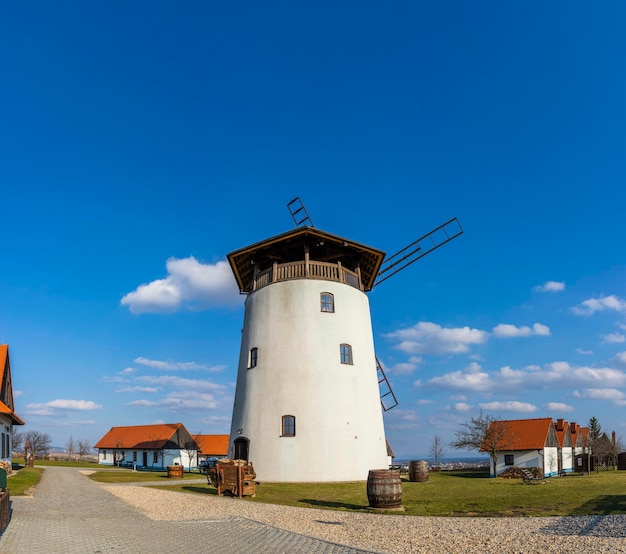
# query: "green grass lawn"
(461, 493)
(19, 482)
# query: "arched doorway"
(241, 447)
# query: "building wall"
(550, 461)
(165, 458)
(339, 424)
(567, 459)
(6, 440)
(521, 458)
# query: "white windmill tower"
(308, 400)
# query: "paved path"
(69, 513)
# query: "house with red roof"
(148, 446)
(566, 450)
(528, 443)
(8, 417)
(212, 446)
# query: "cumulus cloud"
(55, 406)
(601, 394)
(462, 407)
(593, 305)
(177, 366)
(430, 338)
(558, 407)
(472, 378)
(508, 406)
(620, 358)
(172, 381)
(189, 284)
(507, 331)
(613, 338)
(550, 286)
(585, 352)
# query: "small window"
(289, 426)
(345, 351)
(155, 457)
(135, 456)
(509, 460)
(254, 355)
(327, 301)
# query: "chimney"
(572, 427)
(559, 424)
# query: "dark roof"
(289, 247)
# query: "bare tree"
(70, 447)
(485, 433)
(191, 449)
(17, 440)
(38, 443)
(437, 449)
(84, 447)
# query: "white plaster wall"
(567, 459)
(551, 461)
(339, 424)
(522, 458)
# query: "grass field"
(461, 493)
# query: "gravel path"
(391, 533)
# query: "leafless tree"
(70, 447)
(38, 443)
(84, 447)
(485, 433)
(17, 440)
(191, 449)
(437, 449)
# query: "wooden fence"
(303, 270)
(5, 510)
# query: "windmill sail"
(418, 249)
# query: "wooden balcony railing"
(306, 270)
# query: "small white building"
(8, 417)
(148, 447)
(530, 443)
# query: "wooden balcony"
(307, 270)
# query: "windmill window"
(345, 352)
(254, 355)
(327, 302)
(509, 459)
(288, 426)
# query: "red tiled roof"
(525, 434)
(561, 428)
(150, 437)
(6, 387)
(212, 445)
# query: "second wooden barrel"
(384, 489)
(418, 471)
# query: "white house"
(566, 450)
(8, 417)
(529, 443)
(148, 446)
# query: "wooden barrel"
(384, 489)
(175, 472)
(418, 471)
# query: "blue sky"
(141, 142)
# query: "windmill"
(308, 395)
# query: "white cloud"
(507, 331)
(613, 338)
(620, 358)
(558, 407)
(472, 380)
(509, 406)
(172, 381)
(585, 352)
(177, 366)
(430, 338)
(188, 285)
(423, 402)
(601, 394)
(593, 305)
(550, 286)
(462, 407)
(54, 406)
(136, 389)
